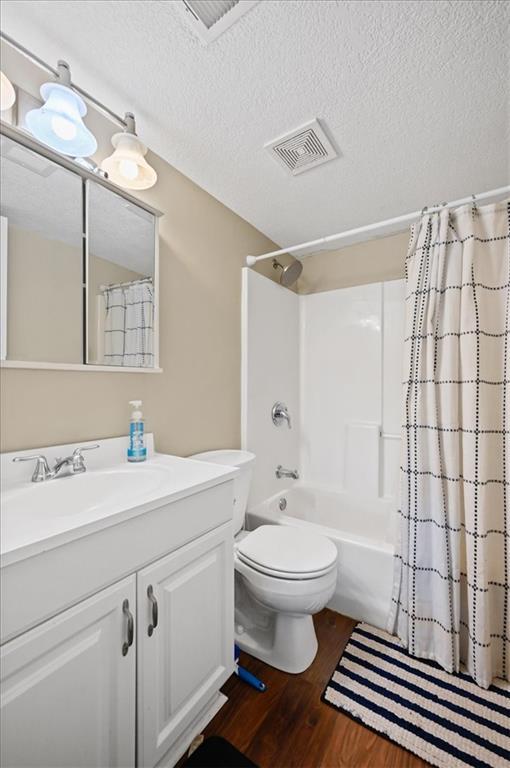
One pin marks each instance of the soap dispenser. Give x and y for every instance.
(137, 450)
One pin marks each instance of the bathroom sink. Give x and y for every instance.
(76, 494)
(35, 516)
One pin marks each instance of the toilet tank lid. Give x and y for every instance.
(228, 457)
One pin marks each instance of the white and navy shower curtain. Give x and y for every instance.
(451, 594)
(129, 324)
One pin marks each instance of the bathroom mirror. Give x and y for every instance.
(41, 258)
(120, 280)
(78, 265)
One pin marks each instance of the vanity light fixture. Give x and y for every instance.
(7, 93)
(127, 166)
(58, 123)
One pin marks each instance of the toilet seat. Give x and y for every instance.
(285, 552)
(308, 576)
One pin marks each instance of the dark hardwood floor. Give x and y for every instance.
(289, 727)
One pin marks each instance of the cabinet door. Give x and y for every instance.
(68, 692)
(185, 659)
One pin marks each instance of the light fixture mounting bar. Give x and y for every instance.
(57, 73)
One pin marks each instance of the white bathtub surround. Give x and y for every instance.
(341, 369)
(335, 359)
(346, 371)
(451, 600)
(363, 534)
(351, 351)
(270, 373)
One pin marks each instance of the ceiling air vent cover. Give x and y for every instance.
(303, 149)
(210, 18)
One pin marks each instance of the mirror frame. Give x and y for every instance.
(32, 144)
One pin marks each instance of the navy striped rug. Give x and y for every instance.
(445, 719)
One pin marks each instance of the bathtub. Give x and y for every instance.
(363, 531)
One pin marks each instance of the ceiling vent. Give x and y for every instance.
(302, 149)
(210, 18)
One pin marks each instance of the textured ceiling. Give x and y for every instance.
(414, 95)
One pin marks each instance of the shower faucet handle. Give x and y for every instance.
(279, 414)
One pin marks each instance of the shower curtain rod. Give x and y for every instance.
(108, 287)
(387, 227)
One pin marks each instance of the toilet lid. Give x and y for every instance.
(282, 550)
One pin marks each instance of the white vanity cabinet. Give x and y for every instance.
(86, 682)
(68, 691)
(72, 685)
(185, 644)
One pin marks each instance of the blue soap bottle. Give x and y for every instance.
(137, 450)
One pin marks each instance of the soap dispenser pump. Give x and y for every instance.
(137, 450)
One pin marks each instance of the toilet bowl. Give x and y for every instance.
(283, 575)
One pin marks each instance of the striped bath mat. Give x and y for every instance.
(444, 719)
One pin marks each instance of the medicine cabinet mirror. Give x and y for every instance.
(79, 265)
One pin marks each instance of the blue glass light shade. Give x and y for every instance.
(58, 123)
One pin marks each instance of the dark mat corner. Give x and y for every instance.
(216, 752)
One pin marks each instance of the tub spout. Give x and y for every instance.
(282, 472)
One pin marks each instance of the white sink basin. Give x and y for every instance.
(76, 494)
(36, 516)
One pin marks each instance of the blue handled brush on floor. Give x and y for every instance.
(243, 673)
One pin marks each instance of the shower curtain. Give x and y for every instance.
(129, 324)
(450, 599)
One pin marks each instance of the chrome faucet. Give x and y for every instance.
(282, 472)
(75, 464)
(279, 414)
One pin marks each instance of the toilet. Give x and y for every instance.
(283, 576)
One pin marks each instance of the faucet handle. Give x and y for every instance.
(41, 471)
(279, 414)
(78, 451)
(78, 463)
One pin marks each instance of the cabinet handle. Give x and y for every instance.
(130, 627)
(154, 602)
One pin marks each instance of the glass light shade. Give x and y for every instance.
(127, 166)
(7, 93)
(58, 123)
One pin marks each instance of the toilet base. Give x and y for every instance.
(288, 642)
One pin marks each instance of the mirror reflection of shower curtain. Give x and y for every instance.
(129, 324)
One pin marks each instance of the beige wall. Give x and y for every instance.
(369, 262)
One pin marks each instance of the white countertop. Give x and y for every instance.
(36, 517)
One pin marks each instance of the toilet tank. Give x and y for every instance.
(244, 460)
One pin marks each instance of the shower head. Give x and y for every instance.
(290, 273)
